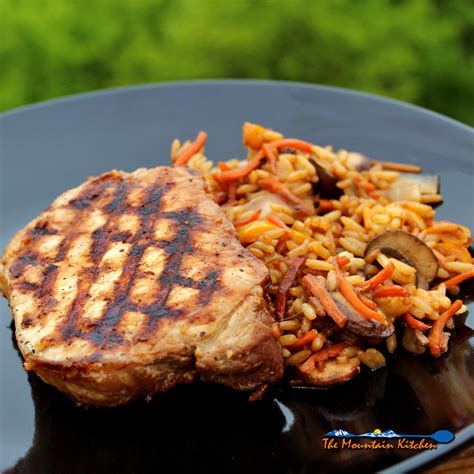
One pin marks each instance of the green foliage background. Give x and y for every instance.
(420, 51)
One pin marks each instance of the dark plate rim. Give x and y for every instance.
(232, 83)
(414, 461)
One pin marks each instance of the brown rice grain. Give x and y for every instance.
(331, 281)
(442, 273)
(296, 291)
(319, 265)
(372, 358)
(289, 325)
(349, 351)
(296, 176)
(285, 353)
(318, 342)
(354, 246)
(457, 267)
(287, 339)
(246, 188)
(298, 357)
(308, 311)
(355, 279)
(256, 252)
(391, 343)
(306, 325)
(317, 306)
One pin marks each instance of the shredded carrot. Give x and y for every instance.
(368, 302)
(233, 175)
(438, 326)
(286, 282)
(267, 149)
(275, 186)
(415, 323)
(223, 166)
(459, 278)
(389, 290)
(342, 261)
(325, 205)
(369, 187)
(303, 340)
(251, 218)
(387, 165)
(192, 150)
(323, 355)
(323, 296)
(293, 143)
(277, 221)
(378, 279)
(351, 296)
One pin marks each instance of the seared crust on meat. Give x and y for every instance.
(133, 283)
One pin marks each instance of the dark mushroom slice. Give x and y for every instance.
(409, 249)
(326, 185)
(332, 373)
(359, 324)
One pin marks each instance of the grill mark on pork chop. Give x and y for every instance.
(26, 286)
(69, 325)
(101, 239)
(41, 228)
(50, 273)
(92, 191)
(18, 267)
(102, 331)
(103, 328)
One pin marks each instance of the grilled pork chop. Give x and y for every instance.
(133, 283)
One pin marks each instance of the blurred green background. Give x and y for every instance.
(420, 51)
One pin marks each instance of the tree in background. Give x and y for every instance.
(420, 51)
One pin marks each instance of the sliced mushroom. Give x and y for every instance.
(409, 249)
(332, 372)
(326, 185)
(414, 341)
(358, 324)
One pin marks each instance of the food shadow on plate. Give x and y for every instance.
(209, 428)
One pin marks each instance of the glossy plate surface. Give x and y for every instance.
(49, 148)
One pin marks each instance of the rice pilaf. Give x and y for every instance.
(351, 246)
